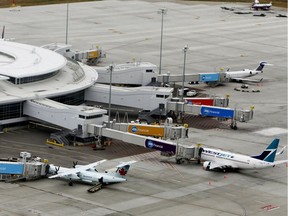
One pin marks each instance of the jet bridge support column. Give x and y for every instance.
(241, 116)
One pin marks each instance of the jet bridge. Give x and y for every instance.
(169, 148)
(212, 111)
(90, 57)
(73, 118)
(212, 79)
(166, 131)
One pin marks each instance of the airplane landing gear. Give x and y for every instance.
(233, 125)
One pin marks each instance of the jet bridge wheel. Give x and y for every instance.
(234, 125)
(180, 160)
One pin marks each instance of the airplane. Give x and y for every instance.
(256, 5)
(219, 160)
(240, 76)
(88, 173)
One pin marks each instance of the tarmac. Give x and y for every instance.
(128, 30)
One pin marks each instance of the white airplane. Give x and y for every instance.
(222, 160)
(258, 6)
(89, 174)
(240, 76)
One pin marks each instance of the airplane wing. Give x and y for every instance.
(280, 162)
(219, 165)
(78, 169)
(247, 80)
(281, 151)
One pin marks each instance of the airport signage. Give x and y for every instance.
(147, 130)
(160, 146)
(217, 112)
(209, 77)
(200, 101)
(11, 168)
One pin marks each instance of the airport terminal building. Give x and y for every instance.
(37, 83)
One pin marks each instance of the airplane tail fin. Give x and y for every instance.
(121, 169)
(270, 152)
(261, 66)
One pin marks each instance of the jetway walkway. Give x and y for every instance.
(166, 131)
(166, 147)
(176, 109)
(212, 79)
(73, 118)
(212, 111)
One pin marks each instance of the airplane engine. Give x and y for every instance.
(206, 165)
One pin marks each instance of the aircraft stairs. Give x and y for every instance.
(95, 188)
(60, 137)
(149, 116)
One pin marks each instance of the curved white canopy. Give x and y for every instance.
(22, 60)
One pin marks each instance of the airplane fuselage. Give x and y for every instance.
(242, 74)
(89, 176)
(262, 6)
(232, 160)
(94, 177)
(55, 170)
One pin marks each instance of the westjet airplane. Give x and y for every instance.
(222, 160)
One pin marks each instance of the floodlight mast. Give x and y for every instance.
(67, 18)
(162, 11)
(185, 49)
(111, 67)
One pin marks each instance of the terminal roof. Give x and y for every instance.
(22, 60)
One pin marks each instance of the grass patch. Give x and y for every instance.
(9, 3)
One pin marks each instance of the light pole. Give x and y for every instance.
(183, 80)
(67, 16)
(109, 109)
(162, 11)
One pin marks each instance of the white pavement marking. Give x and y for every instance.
(272, 131)
(172, 194)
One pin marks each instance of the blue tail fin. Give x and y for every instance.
(270, 152)
(261, 66)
